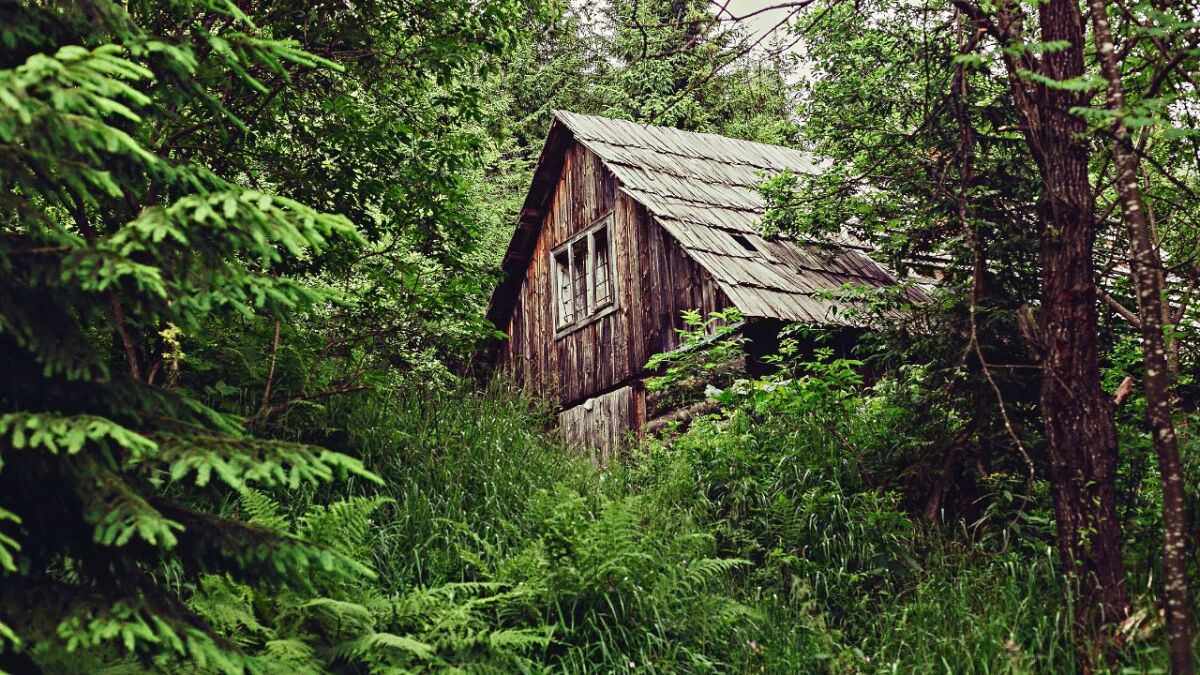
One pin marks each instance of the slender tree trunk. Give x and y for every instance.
(979, 425)
(1148, 277)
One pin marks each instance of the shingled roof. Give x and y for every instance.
(703, 190)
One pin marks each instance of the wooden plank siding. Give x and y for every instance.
(602, 424)
(655, 282)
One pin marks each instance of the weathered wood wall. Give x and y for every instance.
(655, 279)
(602, 424)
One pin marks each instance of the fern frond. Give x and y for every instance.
(698, 575)
(369, 645)
(228, 607)
(521, 639)
(291, 656)
(261, 510)
(343, 526)
(340, 617)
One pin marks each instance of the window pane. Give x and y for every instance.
(563, 274)
(579, 280)
(603, 287)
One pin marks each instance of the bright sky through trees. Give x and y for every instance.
(770, 17)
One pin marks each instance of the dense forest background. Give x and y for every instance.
(246, 248)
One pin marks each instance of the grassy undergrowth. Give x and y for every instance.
(752, 542)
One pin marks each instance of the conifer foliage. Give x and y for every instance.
(111, 253)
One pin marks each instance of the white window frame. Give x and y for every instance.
(594, 311)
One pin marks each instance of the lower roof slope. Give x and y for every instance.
(703, 189)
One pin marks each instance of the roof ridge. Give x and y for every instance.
(564, 115)
(672, 153)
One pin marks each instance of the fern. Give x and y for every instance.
(291, 656)
(434, 627)
(341, 619)
(228, 607)
(368, 648)
(608, 572)
(260, 509)
(345, 526)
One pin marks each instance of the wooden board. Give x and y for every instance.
(602, 425)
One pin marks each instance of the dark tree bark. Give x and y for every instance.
(1148, 280)
(1076, 413)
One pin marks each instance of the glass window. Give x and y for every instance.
(601, 285)
(562, 268)
(579, 275)
(583, 276)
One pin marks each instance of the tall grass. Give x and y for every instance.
(458, 462)
(481, 493)
(771, 538)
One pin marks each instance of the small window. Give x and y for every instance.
(601, 285)
(579, 277)
(584, 286)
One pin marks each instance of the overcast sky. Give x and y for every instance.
(760, 23)
(756, 26)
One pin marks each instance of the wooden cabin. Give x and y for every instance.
(624, 228)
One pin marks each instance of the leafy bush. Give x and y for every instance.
(712, 353)
(782, 476)
(803, 473)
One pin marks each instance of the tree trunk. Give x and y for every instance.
(1077, 415)
(1080, 435)
(1148, 280)
(1081, 438)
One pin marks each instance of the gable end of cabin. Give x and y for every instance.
(603, 290)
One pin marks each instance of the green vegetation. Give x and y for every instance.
(245, 249)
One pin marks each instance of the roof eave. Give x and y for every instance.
(529, 223)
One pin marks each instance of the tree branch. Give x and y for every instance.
(1125, 313)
